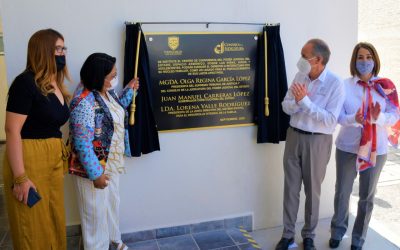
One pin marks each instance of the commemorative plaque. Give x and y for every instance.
(202, 80)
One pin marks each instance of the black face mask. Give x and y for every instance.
(60, 62)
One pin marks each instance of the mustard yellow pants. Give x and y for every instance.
(42, 226)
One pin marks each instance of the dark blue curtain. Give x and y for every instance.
(143, 135)
(271, 128)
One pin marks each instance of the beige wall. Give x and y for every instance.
(381, 29)
(3, 92)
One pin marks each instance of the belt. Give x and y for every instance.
(304, 132)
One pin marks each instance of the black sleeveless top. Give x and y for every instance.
(45, 114)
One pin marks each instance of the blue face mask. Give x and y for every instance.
(365, 67)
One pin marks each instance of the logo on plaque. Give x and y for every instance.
(220, 48)
(173, 42)
(228, 47)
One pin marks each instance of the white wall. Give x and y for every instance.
(198, 175)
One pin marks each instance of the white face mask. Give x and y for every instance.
(304, 66)
(114, 83)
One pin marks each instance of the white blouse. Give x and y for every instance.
(115, 161)
(349, 136)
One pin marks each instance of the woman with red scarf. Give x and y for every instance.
(369, 121)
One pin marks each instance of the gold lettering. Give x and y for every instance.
(245, 93)
(208, 106)
(168, 98)
(188, 97)
(233, 104)
(168, 82)
(185, 81)
(225, 79)
(205, 80)
(242, 78)
(187, 107)
(167, 108)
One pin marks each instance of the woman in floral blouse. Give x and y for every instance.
(99, 136)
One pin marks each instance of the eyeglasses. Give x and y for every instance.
(60, 49)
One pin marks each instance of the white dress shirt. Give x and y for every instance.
(319, 110)
(350, 131)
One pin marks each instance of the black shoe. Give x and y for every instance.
(308, 244)
(334, 243)
(355, 248)
(284, 244)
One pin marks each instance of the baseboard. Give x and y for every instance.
(244, 222)
(74, 230)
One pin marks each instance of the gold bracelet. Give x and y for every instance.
(21, 179)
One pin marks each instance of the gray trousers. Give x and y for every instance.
(304, 161)
(345, 174)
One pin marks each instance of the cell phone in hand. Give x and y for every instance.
(33, 197)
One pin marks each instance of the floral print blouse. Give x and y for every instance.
(92, 129)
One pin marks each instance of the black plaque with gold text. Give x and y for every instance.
(202, 80)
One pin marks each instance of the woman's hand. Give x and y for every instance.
(21, 190)
(134, 83)
(359, 117)
(375, 110)
(101, 182)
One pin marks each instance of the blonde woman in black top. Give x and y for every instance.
(36, 109)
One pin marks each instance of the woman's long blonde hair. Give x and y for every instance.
(41, 61)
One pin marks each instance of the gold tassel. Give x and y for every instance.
(266, 102)
(133, 104)
(266, 99)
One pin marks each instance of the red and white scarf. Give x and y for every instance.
(366, 157)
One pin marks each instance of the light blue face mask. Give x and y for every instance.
(365, 67)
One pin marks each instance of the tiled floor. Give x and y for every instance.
(231, 239)
(268, 238)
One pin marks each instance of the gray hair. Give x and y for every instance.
(320, 48)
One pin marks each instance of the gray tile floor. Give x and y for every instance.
(231, 239)
(268, 238)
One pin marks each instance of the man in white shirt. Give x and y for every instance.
(313, 102)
